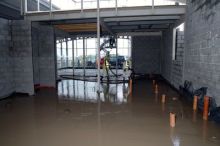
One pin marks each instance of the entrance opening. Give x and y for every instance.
(77, 59)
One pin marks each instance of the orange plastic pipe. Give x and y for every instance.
(156, 88)
(130, 83)
(172, 120)
(163, 98)
(154, 82)
(195, 102)
(206, 108)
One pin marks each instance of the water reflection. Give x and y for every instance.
(174, 137)
(86, 91)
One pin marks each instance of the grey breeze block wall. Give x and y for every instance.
(6, 61)
(172, 70)
(22, 57)
(35, 50)
(177, 64)
(202, 53)
(44, 55)
(146, 54)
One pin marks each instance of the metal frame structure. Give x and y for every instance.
(98, 47)
(82, 5)
(107, 13)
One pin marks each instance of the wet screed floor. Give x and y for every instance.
(74, 115)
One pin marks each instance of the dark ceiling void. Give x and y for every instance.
(9, 11)
(131, 26)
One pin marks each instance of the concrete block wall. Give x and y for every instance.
(166, 55)
(6, 61)
(22, 57)
(35, 49)
(202, 53)
(146, 54)
(44, 55)
(177, 64)
(47, 56)
(172, 69)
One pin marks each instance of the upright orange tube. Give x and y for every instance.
(195, 102)
(156, 88)
(163, 98)
(172, 120)
(154, 82)
(206, 108)
(130, 86)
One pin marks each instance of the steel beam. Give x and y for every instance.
(159, 33)
(143, 18)
(92, 13)
(160, 26)
(107, 28)
(124, 27)
(147, 22)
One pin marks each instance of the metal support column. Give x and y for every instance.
(81, 6)
(84, 56)
(21, 8)
(38, 5)
(73, 54)
(152, 6)
(86, 52)
(50, 8)
(116, 7)
(116, 45)
(67, 54)
(25, 7)
(98, 44)
(61, 50)
(77, 54)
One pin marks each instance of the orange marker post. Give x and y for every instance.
(206, 108)
(130, 84)
(154, 82)
(156, 88)
(163, 100)
(195, 102)
(172, 120)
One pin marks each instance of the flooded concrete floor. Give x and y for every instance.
(74, 115)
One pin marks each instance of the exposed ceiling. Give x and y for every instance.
(132, 19)
(10, 9)
(83, 27)
(119, 25)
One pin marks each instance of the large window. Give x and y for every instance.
(85, 50)
(124, 46)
